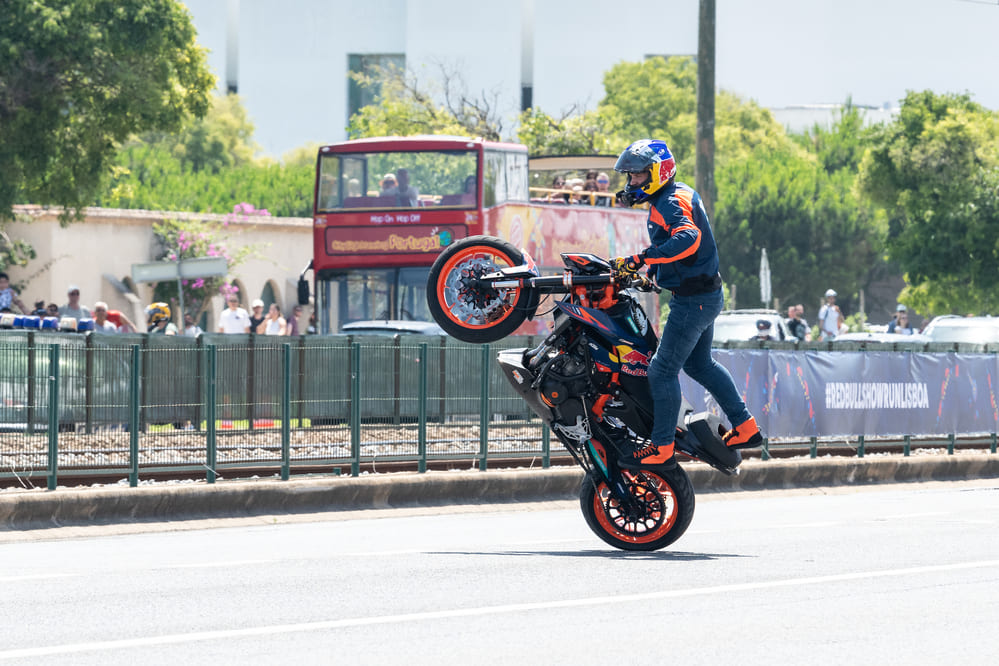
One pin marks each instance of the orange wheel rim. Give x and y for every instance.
(479, 259)
(650, 489)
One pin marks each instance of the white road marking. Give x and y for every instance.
(223, 634)
(40, 576)
(198, 565)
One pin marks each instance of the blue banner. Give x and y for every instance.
(822, 394)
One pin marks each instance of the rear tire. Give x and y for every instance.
(466, 310)
(667, 507)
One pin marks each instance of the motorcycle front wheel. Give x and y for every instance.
(467, 308)
(664, 507)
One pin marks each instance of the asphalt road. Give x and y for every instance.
(888, 574)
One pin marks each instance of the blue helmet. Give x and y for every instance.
(647, 155)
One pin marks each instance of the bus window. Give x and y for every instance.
(413, 294)
(438, 177)
(505, 177)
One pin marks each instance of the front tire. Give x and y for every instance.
(467, 309)
(666, 507)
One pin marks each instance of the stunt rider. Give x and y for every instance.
(683, 258)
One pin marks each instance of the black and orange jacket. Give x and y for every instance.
(682, 251)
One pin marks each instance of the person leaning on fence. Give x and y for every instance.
(234, 319)
(101, 322)
(273, 323)
(158, 320)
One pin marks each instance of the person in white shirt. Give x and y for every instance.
(830, 317)
(234, 319)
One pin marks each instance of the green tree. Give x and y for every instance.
(935, 171)
(79, 77)
(208, 166)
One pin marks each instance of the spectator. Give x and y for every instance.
(51, 310)
(273, 323)
(191, 329)
(763, 330)
(158, 320)
(73, 307)
(797, 326)
(40, 310)
(407, 195)
(101, 322)
(257, 315)
(8, 296)
(312, 329)
(293, 320)
(900, 322)
(558, 183)
(800, 313)
(589, 187)
(353, 187)
(234, 319)
(603, 183)
(830, 317)
(124, 324)
(388, 184)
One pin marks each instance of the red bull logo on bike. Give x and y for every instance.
(633, 362)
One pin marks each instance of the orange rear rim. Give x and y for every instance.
(475, 259)
(654, 492)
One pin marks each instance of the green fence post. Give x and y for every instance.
(355, 409)
(211, 443)
(396, 380)
(906, 445)
(251, 379)
(992, 448)
(765, 449)
(133, 416)
(31, 382)
(199, 379)
(286, 413)
(860, 446)
(546, 446)
(421, 436)
(484, 410)
(950, 444)
(88, 386)
(53, 461)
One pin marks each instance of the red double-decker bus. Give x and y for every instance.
(375, 242)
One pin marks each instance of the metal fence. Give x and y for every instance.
(130, 404)
(104, 405)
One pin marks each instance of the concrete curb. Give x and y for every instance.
(32, 509)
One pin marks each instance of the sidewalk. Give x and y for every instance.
(32, 509)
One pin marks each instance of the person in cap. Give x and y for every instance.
(763, 330)
(900, 322)
(830, 317)
(683, 258)
(72, 307)
(257, 315)
(388, 184)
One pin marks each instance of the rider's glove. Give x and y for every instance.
(642, 283)
(628, 264)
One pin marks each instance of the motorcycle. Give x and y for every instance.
(587, 379)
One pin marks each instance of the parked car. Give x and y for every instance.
(391, 327)
(736, 325)
(954, 328)
(880, 336)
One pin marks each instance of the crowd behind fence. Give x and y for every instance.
(141, 404)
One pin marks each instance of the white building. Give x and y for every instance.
(289, 60)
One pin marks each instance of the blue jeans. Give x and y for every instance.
(686, 344)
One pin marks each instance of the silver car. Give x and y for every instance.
(953, 328)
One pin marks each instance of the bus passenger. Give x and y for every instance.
(409, 196)
(558, 183)
(388, 184)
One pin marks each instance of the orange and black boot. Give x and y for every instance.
(650, 457)
(746, 435)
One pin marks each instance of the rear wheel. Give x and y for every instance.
(664, 507)
(463, 306)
